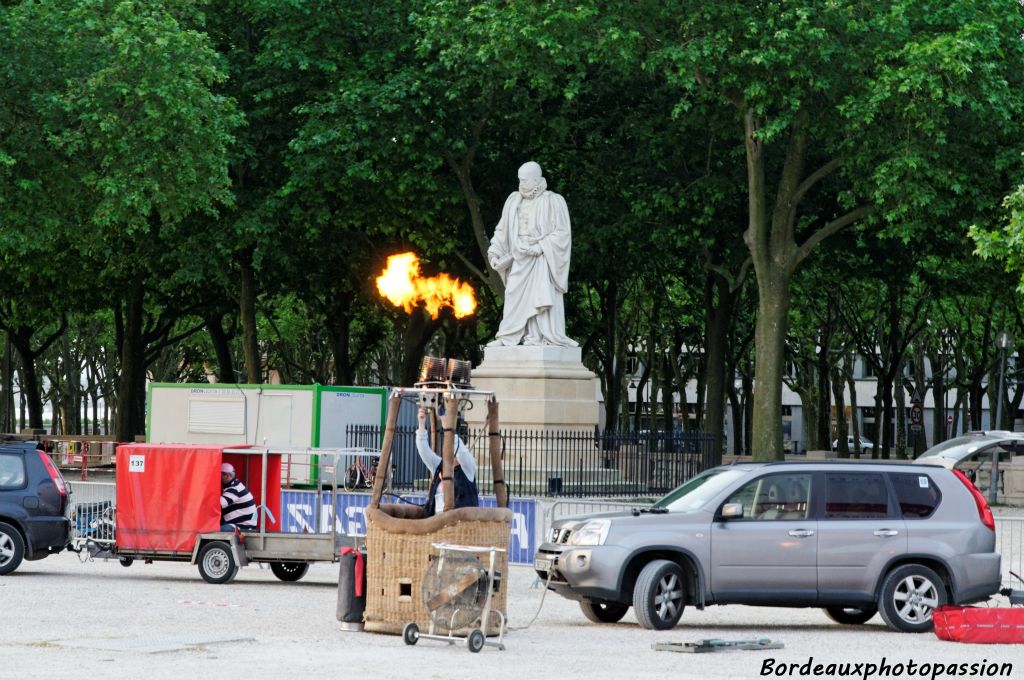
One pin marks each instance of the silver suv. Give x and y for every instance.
(854, 538)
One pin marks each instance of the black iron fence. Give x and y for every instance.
(561, 463)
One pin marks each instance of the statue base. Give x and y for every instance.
(538, 388)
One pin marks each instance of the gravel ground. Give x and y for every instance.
(63, 618)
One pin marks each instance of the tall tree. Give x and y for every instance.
(149, 138)
(869, 106)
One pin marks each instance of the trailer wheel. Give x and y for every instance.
(289, 571)
(126, 561)
(216, 564)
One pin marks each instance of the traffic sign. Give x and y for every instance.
(949, 420)
(916, 416)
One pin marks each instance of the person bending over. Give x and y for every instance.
(237, 506)
(463, 474)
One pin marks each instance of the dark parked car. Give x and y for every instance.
(33, 502)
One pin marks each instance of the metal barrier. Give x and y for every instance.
(580, 463)
(567, 508)
(91, 510)
(1010, 544)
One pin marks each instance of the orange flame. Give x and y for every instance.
(403, 286)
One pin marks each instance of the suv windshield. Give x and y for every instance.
(699, 490)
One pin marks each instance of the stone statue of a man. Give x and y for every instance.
(530, 251)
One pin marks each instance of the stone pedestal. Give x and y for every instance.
(538, 388)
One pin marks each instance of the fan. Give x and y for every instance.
(455, 590)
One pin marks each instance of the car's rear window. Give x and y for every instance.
(12, 471)
(916, 493)
(855, 495)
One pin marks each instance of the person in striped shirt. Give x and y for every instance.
(237, 506)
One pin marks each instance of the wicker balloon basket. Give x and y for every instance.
(400, 539)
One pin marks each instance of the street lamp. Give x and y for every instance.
(1003, 342)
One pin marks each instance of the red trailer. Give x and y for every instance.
(168, 508)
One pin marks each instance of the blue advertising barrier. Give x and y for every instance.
(299, 515)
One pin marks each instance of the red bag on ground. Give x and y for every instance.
(980, 625)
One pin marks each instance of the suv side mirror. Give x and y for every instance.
(732, 510)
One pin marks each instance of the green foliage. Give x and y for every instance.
(165, 142)
(1005, 243)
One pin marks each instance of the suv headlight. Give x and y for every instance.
(593, 532)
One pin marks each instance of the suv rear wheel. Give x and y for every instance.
(851, 616)
(12, 548)
(659, 595)
(599, 611)
(909, 595)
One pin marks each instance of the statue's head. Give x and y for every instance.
(531, 180)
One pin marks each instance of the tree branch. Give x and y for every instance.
(155, 348)
(473, 269)
(53, 337)
(805, 186)
(829, 229)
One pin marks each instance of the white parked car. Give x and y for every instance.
(866, 445)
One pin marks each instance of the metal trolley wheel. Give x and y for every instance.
(475, 641)
(411, 633)
(216, 564)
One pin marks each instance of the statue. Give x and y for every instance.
(530, 251)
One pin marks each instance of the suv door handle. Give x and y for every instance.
(801, 533)
(885, 533)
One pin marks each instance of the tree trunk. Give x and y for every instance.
(247, 311)
(33, 396)
(639, 398)
(736, 421)
(339, 322)
(840, 408)
(222, 348)
(939, 393)
(131, 384)
(30, 389)
(418, 333)
(769, 334)
(7, 422)
(748, 414)
(824, 429)
(901, 422)
(885, 386)
(462, 168)
(613, 370)
(667, 401)
(72, 389)
(920, 392)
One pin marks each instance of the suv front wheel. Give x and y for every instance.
(909, 595)
(659, 595)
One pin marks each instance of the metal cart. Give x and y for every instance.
(447, 604)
